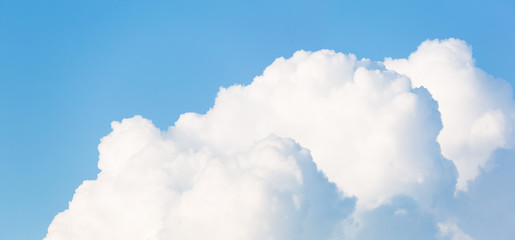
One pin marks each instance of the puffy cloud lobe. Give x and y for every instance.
(368, 130)
(149, 188)
(477, 109)
(373, 130)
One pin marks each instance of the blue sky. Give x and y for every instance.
(67, 69)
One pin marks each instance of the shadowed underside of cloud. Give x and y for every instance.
(321, 146)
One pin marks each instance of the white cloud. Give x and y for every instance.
(237, 171)
(149, 188)
(477, 109)
(449, 230)
(368, 130)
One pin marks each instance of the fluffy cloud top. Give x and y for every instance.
(477, 109)
(149, 188)
(321, 146)
(369, 131)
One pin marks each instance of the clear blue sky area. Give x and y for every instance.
(69, 68)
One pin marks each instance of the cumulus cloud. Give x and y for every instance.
(477, 109)
(149, 188)
(320, 146)
(368, 130)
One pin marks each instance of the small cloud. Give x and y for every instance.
(400, 212)
(451, 231)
